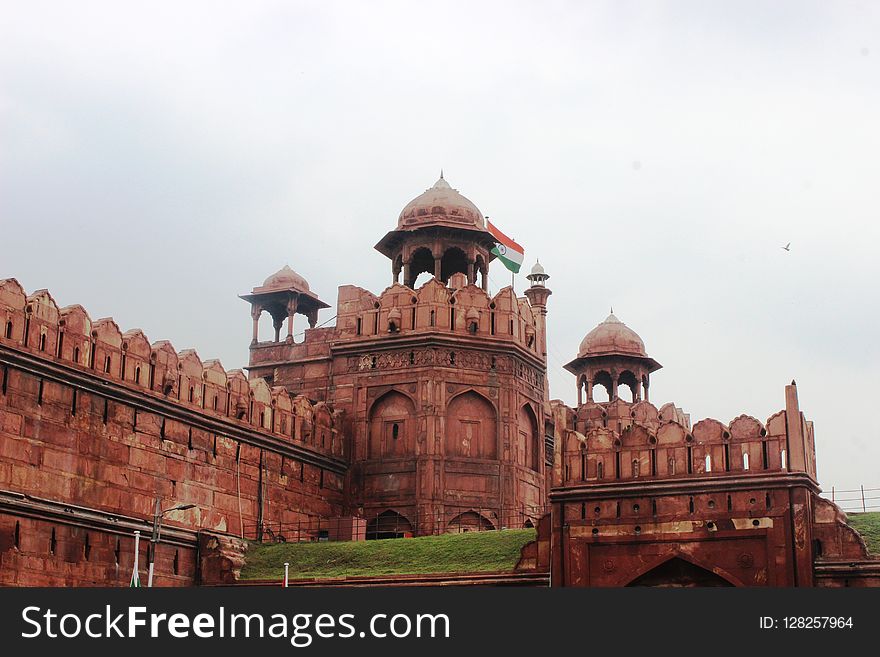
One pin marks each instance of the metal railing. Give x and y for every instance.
(390, 524)
(855, 500)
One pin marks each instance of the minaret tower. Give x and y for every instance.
(537, 295)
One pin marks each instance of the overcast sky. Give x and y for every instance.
(158, 159)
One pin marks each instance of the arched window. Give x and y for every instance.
(602, 383)
(528, 449)
(627, 385)
(421, 267)
(454, 261)
(745, 459)
(9, 330)
(708, 463)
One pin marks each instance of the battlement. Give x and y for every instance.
(459, 309)
(615, 441)
(35, 324)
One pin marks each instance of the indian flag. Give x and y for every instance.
(509, 252)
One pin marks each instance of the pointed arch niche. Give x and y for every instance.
(471, 427)
(392, 426)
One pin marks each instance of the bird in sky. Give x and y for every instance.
(787, 247)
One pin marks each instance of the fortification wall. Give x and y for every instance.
(96, 423)
(618, 441)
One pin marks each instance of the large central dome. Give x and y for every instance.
(440, 204)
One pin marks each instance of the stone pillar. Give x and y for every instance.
(589, 387)
(472, 272)
(406, 280)
(613, 386)
(438, 268)
(795, 447)
(256, 311)
(277, 323)
(291, 311)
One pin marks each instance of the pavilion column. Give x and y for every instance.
(291, 311)
(438, 268)
(406, 280)
(277, 323)
(472, 272)
(589, 387)
(485, 276)
(256, 311)
(613, 387)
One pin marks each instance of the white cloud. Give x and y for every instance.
(156, 161)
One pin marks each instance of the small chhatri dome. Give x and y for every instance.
(538, 269)
(440, 203)
(612, 337)
(284, 279)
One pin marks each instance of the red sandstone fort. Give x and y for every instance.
(423, 410)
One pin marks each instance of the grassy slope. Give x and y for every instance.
(868, 525)
(469, 552)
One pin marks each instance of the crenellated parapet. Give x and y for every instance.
(466, 310)
(618, 441)
(36, 325)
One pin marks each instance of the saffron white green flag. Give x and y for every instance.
(508, 252)
(135, 578)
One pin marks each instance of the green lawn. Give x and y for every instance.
(868, 525)
(469, 552)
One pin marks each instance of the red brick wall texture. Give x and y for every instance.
(95, 423)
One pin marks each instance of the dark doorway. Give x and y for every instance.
(389, 524)
(678, 573)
